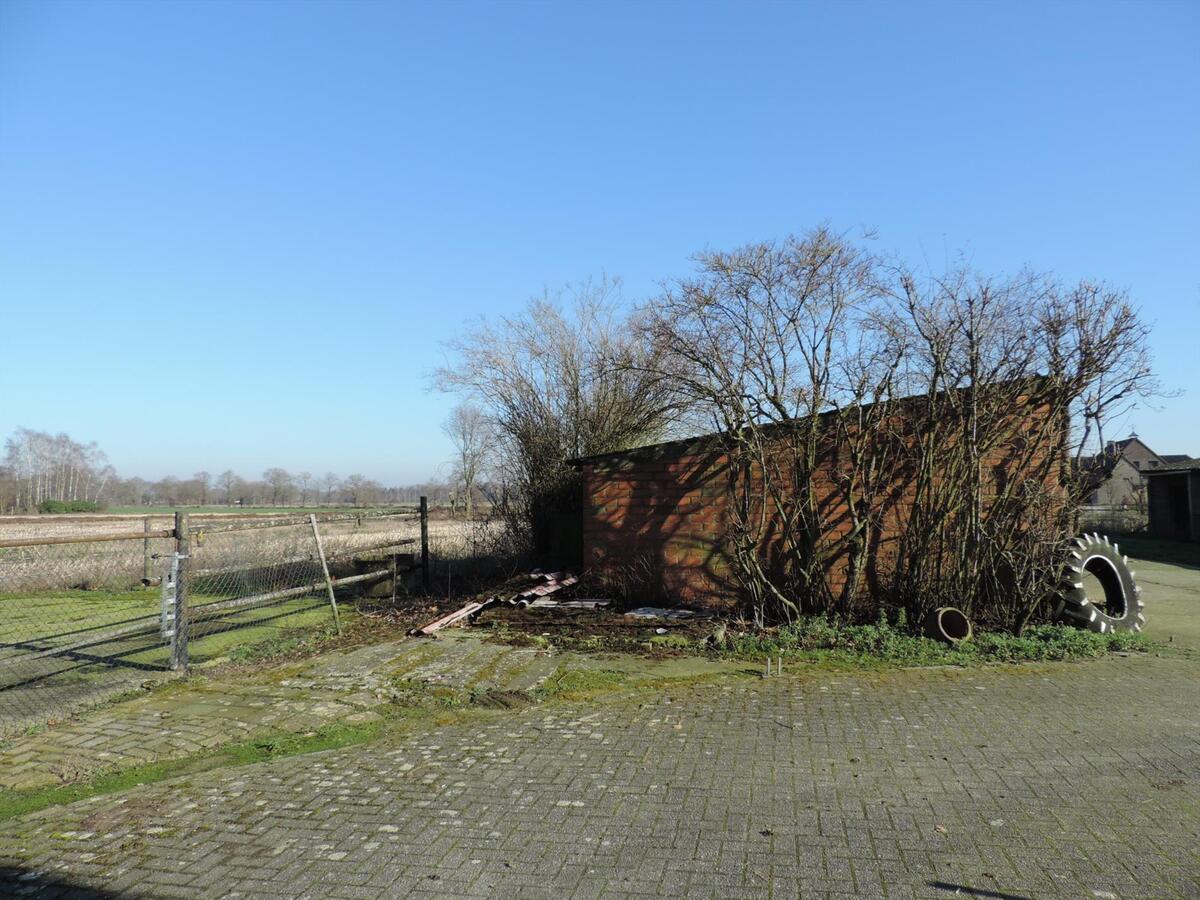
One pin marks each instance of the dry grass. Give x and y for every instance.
(218, 543)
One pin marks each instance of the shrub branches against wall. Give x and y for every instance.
(567, 377)
(760, 342)
(946, 410)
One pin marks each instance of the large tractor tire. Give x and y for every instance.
(1120, 607)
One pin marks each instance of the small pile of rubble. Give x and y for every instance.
(538, 596)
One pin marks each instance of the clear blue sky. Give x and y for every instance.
(236, 234)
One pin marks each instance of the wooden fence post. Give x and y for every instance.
(337, 622)
(425, 543)
(179, 638)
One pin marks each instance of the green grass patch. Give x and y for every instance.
(25, 616)
(283, 645)
(68, 617)
(303, 625)
(1179, 553)
(579, 684)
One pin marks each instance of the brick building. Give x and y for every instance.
(658, 516)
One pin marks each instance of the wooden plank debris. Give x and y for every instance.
(457, 616)
(549, 583)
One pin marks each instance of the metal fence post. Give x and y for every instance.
(425, 542)
(146, 551)
(179, 639)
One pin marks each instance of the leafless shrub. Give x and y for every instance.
(565, 378)
(761, 342)
(947, 410)
(997, 491)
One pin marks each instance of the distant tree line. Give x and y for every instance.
(41, 469)
(54, 473)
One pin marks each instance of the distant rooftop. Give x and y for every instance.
(1185, 465)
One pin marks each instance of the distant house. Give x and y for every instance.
(1118, 475)
(1174, 498)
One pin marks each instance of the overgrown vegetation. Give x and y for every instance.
(893, 440)
(817, 636)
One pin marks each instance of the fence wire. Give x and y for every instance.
(87, 611)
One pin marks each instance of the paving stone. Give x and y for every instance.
(875, 785)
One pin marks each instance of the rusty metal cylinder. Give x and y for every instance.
(948, 624)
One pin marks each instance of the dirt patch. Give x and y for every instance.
(594, 631)
(374, 623)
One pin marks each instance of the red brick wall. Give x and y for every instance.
(663, 519)
(657, 518)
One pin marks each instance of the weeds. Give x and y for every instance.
(578, 684)
(303, 641)
(885, 643)
(824, 639)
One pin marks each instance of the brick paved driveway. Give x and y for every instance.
(1076, 781)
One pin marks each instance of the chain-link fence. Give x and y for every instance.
(91, 610)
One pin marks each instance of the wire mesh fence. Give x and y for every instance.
(86, 613)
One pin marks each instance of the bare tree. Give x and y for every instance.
(997, 494)
(280, 483)
(818, 364)
(471, 433)
(204, 483)
(757, 343)
(227, 481)
(565, 378)
(305, 482)
(353, 488)
(329, 484)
